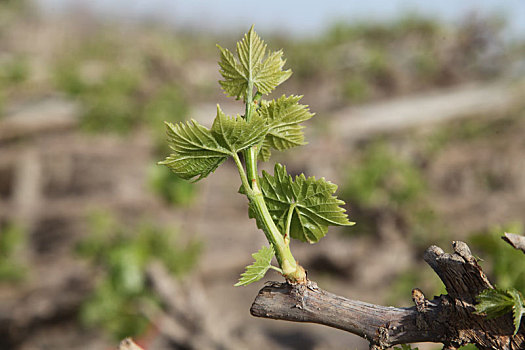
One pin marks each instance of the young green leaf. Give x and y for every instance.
(269, 74)
(257, 270)
(251, 50)
(518, 309)
(235, 81)
(497, 302)
(253, 69)
(283, 116)
(236, 134)
(314, 205)
(494, 303)
(196, 153)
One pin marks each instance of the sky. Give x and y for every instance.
(297, 18)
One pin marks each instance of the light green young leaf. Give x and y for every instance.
(314, 205)
(497, 302)
(236, 134)
(269, 74)
(258, 269)
(235, 81)
(196, 153)
(494, 303)
(283, 116)
(251, 68)
(518, 309)
(266, 151)
(251, 50)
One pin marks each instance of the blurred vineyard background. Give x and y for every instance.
(419, 121)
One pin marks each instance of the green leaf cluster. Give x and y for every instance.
(257, 270)
(382, 178)
(122, 87)
(253, 67)
(12, 244)
(171, 189)
(121, 255)
(498, 302)
(198, 151)
(284, 117)
(304, 207)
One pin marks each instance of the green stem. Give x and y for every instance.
(282, 250)
(251, 165)
(288, 223)
(290, 269)
(248, 101)
(242, 174)
(250, 155)
(276, 269)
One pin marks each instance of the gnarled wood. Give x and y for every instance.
(515, 240)
(447, 319)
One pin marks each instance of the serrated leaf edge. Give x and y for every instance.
(498, 302)
(257, 270)
(251, 66)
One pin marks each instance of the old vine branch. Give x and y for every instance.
(515, 240)
(447, 319)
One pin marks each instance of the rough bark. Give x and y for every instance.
(447, 319)
(514, 240)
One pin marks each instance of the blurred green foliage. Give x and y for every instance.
(167, 104)
(383, 178)
(377, 66)
(14, 71)
(426, 65)
(111, 104)
(382, 185)
(123, 254)
(385, 187)
(172, 189)
(12, 243)
(2, 102)
(505, 265)
(122, 88)
(473, 128)
(384, 32)
(356, 89)
(109, 96)
(364, 61)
